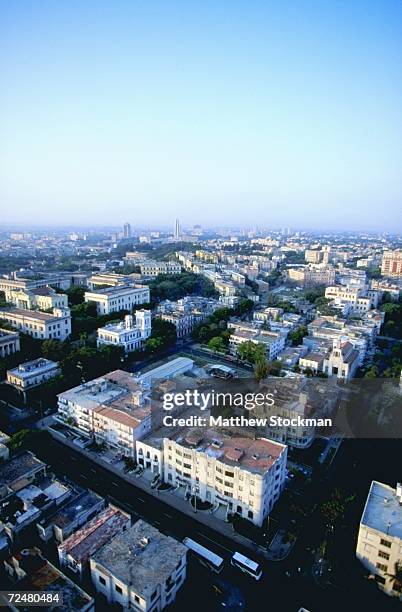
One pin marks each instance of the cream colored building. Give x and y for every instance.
(39, 324)
(392, 263)
(154, 268)
(243, 474)
(121, 297)
(379, 544)
(41, 298)
(129, 335)
(32, 373)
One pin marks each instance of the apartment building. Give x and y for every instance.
(154, 268)
(311, 275)
(74, 553)
(80, 508)
(30, 571)
(39, 324)
(19, 471)
(9, 343)
(243, 474)
(391, 264)
(379, 544)
(274, 342)
(113, 409)
(120, 297)
(313, 256)
(140, 569)
(41, 298)
(356, 297)
(129, 335)
(32, 373)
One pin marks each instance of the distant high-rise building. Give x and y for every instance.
(177, 229)
(126, 230)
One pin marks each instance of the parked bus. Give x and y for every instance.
(246, 565)
(206, 556)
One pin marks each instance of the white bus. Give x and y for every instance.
(246, 565)
(206, 556)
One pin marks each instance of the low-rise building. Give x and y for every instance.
(39, 324)
(120, 297)
(16, 473)
(140, 569)
(379, 544)
(32, 572)
(79, 509)
(355, 296)
(273, 342)
(75, 552)
(343, 360)
(41, 298)
(154, 268)
(166, 371)
(9, 343)
(129, 335)
(32, 373)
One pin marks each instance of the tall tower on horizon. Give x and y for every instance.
(177, 229)
(126, 230)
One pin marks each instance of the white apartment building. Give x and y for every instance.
(357, 297)
(41, 298)
(274, 342)
(392, 263)
(9, 342)
(243, 474)
(112, 409)
(154, 268)
(313, 256)
(379, 544)
(32, 373)
(39, 324)
(121, 297)
(183, 322)
(111, 279)
(140, 569)
(128, 334)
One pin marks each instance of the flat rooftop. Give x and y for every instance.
(43, 576)
(91, 537)
(29, 314)
(30, 368)
(167, 369)
(383, 510)
(141, 557)
(74, 508)
(117, 290)
(19, 466)
(6, 333)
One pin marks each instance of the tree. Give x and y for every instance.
(217, 344)
(251, 352)
(297, 336)
(261, 369)
(76, 294)
(55, 349)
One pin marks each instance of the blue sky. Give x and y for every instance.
(250, 113)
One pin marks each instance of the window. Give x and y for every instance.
(101, 580)
(383, 555)
(118, 589)
(154, 594)
(386, 543)
(382, 567)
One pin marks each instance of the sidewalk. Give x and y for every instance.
(168, 497)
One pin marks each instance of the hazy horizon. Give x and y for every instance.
(223, 114)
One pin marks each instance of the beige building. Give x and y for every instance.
(41, 298)
(379, 544)
(313, 256)
(120, 297)
(243, 474)
(392, 263)
(154, 268)
(140, 569)
(39, 324)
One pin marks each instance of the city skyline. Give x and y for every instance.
(256, 114)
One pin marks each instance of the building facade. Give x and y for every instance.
(129, 335)
(39, 324)
(121, 297)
